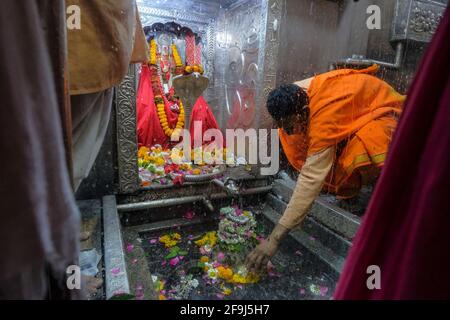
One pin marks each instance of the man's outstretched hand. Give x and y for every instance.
(257, 259)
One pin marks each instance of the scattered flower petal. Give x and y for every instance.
(302, 291)
(153, 241)
(323, 291)
(298, 253)
(178, 180)
(189, 215)
(173, 262)
(220, 256)
(130, 247)
(115, 271)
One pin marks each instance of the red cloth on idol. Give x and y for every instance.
(202, 112)
(149, 129)
(405, 230)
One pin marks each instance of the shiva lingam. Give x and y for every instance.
(189, 88)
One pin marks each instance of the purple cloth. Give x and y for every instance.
(406, 229)
(39, 227)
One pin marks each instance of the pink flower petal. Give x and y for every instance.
(153, 241)
(189, 215)
(323, 291)
(134, 261)
(130, 247)
(302, 291)
(173, 262)
(220, 296)
(115, 271)
(220, 256)
(163, 263)
(298, 253)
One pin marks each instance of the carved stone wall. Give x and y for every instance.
(270, 35)
(126, 133)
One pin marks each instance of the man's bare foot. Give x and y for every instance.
(85, 235)
(91, 284)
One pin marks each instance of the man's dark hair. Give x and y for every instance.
(286, 100)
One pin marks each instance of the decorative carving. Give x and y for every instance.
(126, 133)
(269, 56)
(425, 21)
(416, 20)
(171, 14)
(211, 41)
(201, 24)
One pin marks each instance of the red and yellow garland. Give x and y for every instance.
(160, 106)
(157, 88)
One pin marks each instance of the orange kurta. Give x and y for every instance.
(349, 105)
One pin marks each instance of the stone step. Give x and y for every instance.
(316, 251)
(338, 220)
(169, 224)
(115, 267)
(326, 236)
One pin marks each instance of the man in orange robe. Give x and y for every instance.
(335, 129)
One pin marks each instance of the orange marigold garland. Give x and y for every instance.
(153, 52)
(176, 56)
(160, 106)
(160, 100)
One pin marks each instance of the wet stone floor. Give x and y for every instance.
(293, 277)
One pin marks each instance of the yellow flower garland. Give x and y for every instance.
(176, 56)
(163, 117)
(153, 52)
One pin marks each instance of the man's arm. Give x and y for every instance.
(309, 184)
